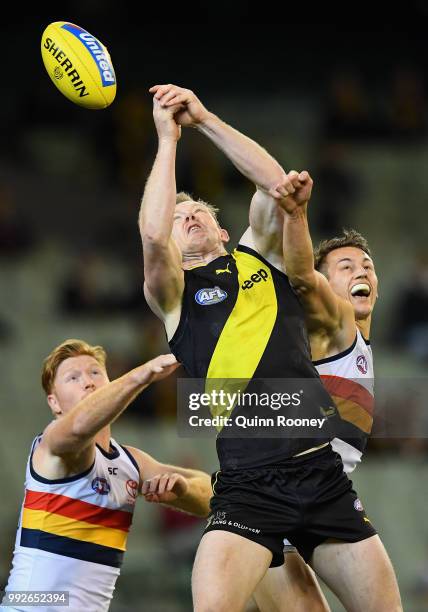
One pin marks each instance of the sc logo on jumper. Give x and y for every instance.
(210, 296)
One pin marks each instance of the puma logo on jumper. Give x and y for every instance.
(225, 270)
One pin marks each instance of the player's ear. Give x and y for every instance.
(54, 405)
(224, 235)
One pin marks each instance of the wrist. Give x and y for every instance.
(208, 121)
(298, 214)
(137, 378)
(165, 141)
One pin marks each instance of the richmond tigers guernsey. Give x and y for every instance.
(72, 532)
(240, 319)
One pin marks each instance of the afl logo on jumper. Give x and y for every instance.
(100, 486)
(207, 297)
(362, 364)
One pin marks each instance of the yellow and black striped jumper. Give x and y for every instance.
(241, 319)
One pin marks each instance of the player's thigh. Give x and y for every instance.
(359, 573)
(226, 571)
(292, 587)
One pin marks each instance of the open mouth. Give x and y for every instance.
(361, 290)
(193, 228)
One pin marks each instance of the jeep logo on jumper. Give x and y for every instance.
(261, 275)
(213, 295)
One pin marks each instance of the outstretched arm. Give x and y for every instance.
(71, 434)
(182, 488)
(325, 310)
(164, 280)
(252, 160)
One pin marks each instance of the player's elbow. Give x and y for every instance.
(302, 282)
(64, 445)
(152, 232)
(153, 238)
(204, 512)
(202, 508)
(79, 429)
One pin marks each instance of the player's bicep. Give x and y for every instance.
(147, 465)
(163, 276)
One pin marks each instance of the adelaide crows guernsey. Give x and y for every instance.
(240, 319)
(72, 532)
(349, 378)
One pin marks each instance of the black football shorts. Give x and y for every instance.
(306, 499)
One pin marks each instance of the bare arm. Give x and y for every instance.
(181, 488)
(256, 164)
(70, 435)
(164, 280)
(325, 310)
(252, 160)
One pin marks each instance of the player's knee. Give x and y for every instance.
(385, 599)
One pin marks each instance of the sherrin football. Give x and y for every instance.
(79, 65)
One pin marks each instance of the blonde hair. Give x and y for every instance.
(183, 196)
(68, 348)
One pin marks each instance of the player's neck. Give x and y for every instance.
(192, 260)
(364, 326)
(103, 438)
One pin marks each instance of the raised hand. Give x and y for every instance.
(293, 191)
(155, 369)
(166, 125)
(188, 109)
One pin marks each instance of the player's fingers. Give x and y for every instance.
(285, 189)
(162, 90)
(154, 487)
(172, 481)
(304, 176)
(169, 95)
(293, 177)
(165, 360)
(163, 483)
(151, 497)
(150, 485)
(179, 98)
(158, 364)
(275, 193)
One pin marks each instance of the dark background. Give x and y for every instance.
(346, 100)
